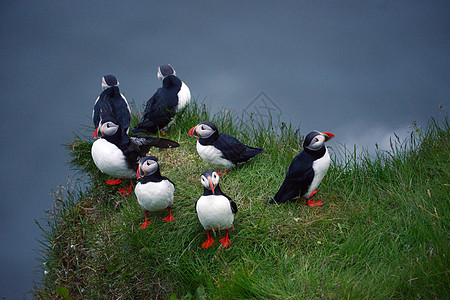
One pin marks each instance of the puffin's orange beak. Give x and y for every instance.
(328, 136)
(192, 132)
(211, 184)
(95, 135)
(139, 174)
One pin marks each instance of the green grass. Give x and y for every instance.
(383, 231)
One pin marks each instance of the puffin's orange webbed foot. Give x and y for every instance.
(313, 203)
(225, 173)
(169, 218)
(313, 193)
(145, 224)
(225, 241)
(114, 181)
(209, 242)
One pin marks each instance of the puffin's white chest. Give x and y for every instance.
(184, 96)
(320, 167)
(214, 212)
(212, 155)
(110, 159)
(155, 196)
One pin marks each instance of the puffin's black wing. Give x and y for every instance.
(138, 146)
(233, 205)
(123, 114)
(161, 107)
(234, 150)
(195, 207)
(102, 109)
(164, 177)
(298, 178)
(96, 113)
(144, 143)
(117, 107)
(218, 191)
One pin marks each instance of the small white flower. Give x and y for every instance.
(319, 242)
(45, 272)
(296, 219)
(72, 246)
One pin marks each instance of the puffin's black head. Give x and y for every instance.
(315, 140)
(210, 180)
(165, 70)
(109, 81)
(107, 126)
(203, 130)
(147, 165)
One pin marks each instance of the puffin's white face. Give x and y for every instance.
(109, 128)
(169, 69)
(316, 139)
(211, 181)
(104, 84)
(204, 131)
(149, 166)
(316, 142)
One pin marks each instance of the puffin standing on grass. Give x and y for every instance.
(117, 102)
(162, 107)
(154, 192)
(116, 154)
(306, 170)
(220, 148)
(215, 210)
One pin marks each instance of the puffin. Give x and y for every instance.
(215, 210)
(116, 154)
(154, 192)
(117, 102)
(307, 170)
(221, 149)
(184, 95)
(163, 106)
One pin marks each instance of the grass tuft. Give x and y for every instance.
(383, 231)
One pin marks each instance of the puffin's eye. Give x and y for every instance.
(203, 128)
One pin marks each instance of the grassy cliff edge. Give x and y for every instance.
(383, 231)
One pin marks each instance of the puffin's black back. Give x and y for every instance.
(234, 150)
(298, 178)
(231, 148)
(161, 107)
(299, 175)
(118, 107)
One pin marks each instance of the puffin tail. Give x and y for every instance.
(165, 143)
(145, 126)
(284, 193)
(251, 152)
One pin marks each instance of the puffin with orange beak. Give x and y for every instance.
(221, 149)
(116, 154)
(154, 192)
(215, 210)
(307, 170)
